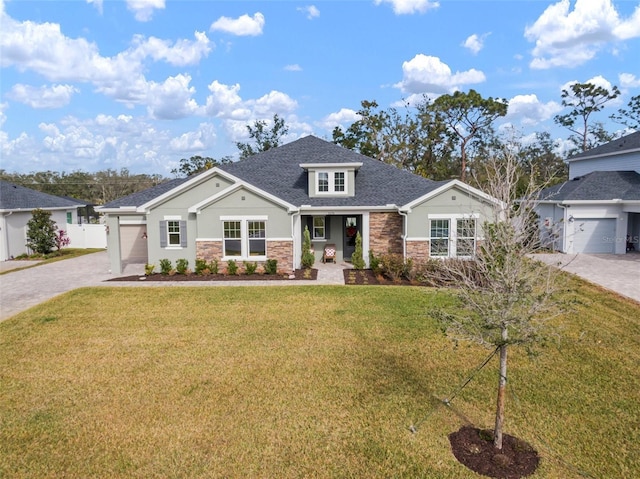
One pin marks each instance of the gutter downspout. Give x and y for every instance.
(293, 237)
(565, 227)
(3, 226)
(404, 232)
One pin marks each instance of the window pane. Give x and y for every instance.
(323, 181)
(439, 244)
(318, 226)
(257, 247)
(256, 229)
(232, 229)
(439, 247)
(232, 247)
(467, 228)
(173, 231)
(338, 178)
(465, 247)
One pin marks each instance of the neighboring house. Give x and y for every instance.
(257, 209)
(598, 209)
(16, 205)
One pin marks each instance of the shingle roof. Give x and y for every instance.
(621, 145)
(15, 197)
(597, 186)
(278, 172)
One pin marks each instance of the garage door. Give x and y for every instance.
(133, 246)
(594, 235)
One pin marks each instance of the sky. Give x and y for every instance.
(89, 85)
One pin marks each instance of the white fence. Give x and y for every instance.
(86, 236)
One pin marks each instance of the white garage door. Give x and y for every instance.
(594, 235)
(133, 246)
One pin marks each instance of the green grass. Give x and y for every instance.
(65, 253)
(293, 382)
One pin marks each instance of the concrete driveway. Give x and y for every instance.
(617, 272)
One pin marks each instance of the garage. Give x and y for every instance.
(594, 235)
(133, 244)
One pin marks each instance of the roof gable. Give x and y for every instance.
(15, 197)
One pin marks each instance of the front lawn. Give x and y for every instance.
(293, 382)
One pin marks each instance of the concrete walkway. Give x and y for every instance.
(20, 290)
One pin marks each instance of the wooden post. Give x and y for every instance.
(502, 386)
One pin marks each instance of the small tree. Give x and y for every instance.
(357, 259)
(41, 232)
(308, 257)
(506, 296)
(62, 239)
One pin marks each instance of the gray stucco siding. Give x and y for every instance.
(445, 204)
(194, 195)
(244, 203)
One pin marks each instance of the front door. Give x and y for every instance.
(351, 225)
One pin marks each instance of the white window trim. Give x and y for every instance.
(244, 237)
(324, 228)
(453, 232)
(332, 186)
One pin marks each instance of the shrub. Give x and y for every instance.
(165, 266)
(271, 266)
(182, 266)
(62, 239)
(374, 263)
(250, 268)
(232, 267)
(356, 258)
(41, 232)
(213, 266)
(148, 269)
(394, 266)
(308, 258)
(201, 265)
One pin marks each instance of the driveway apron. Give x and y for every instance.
(20, 290)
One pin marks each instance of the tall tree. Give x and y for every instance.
(630, 116)
(506, 297)
(541, 163)
(469, 117)
(197, 164)
(264, 138)
(365, 135)
(583, 101)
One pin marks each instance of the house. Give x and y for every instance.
(257, 209)
(598, 209)
(17, 203)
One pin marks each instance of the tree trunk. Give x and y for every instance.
(502, 385)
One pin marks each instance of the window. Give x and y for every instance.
(257, 238)
(173, 232)
(466, 237)
(245, 238)
(331, 182)
(318, 227)
(439, 238)
(323, 182)
(338, 181)
(232, 238)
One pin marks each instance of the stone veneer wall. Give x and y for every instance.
(282, 251)
(418, 251)
(385, 233)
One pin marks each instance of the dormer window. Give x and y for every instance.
(331, 179)
(331, 182)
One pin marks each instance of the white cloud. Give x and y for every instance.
(311, 11)
(271, 103)
(143, 9)
(475, 42)
(428, 74)
(629, 80)
(404, 7)
(565, 38)
(171, 99)
(97, 3)
(342, 118)
(293, 68)
(181, 53)
(241, 26)
(529, 111)
(225, 102)
(54, 96)
(193, 141)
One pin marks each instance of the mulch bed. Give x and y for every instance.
(368, 277)
(298, 274)
(473, 447)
